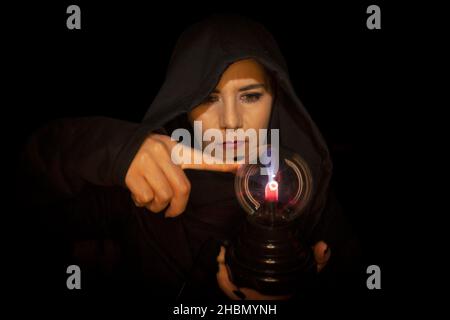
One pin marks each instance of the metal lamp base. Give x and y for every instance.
(270, 259)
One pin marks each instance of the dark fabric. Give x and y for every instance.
(75, 170)
(201, 55)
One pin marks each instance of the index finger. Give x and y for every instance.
(190, 158)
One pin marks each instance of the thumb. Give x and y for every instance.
(321, 254)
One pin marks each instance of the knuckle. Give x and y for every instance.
(165, 196)
(140, 160)
(155, 206)
(145, 198)
(140, 200)
(149, 141)
(129, 180)
(184, 189)
(157, 147)
(136, 201)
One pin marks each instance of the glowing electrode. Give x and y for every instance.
(271, 192)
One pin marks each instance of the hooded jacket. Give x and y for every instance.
(79, 166)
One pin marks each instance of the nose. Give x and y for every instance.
(230, 117)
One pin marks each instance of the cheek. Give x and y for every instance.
(258, 115)
(209, 118)
(207, 115)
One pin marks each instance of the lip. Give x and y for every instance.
(233, 144)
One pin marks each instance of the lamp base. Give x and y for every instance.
(270, 259)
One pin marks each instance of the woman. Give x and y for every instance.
(117, 180)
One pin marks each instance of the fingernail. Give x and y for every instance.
(239, 294)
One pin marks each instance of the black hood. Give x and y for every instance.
(201, 55)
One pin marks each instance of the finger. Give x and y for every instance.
(180, 186)
(136, 203)
(221, 256)
(223, 280)
(208, 163)
(232, 168)
(141, 192)
(161, 187)
(189, 158)
(322, 254)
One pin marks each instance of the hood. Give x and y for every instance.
(201, 55)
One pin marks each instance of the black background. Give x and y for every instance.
(346, 75)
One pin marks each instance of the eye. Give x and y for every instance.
(251, 97)
(210, 99)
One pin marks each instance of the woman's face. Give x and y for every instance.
(241, 100)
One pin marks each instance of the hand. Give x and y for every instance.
(156, 182)
(321, 255)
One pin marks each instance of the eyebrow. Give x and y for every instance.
(249, 87)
